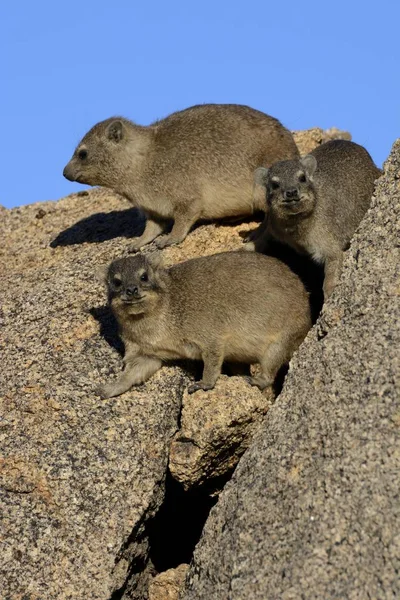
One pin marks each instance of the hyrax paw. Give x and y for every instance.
(260, 382)
(199, 385)
(105, 391)
(248, 247)
(134, 248)
(164, 242)
(251, 236)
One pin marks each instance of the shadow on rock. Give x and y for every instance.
(108, 327)
(101, 227)
(176, 529)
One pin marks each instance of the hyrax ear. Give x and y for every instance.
(155, 259)
(100, 273)
(115, 131)
(261, 176)
(309, 164)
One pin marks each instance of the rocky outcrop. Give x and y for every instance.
(309, 139)
(81, 479)
(167, 585)
(313, 509)
(215, 429)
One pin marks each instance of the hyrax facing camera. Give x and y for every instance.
(236, 306)
(195, 164)
(315, 204)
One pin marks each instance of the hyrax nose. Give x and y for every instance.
(67, 173)
(292, 194)
(132, 291)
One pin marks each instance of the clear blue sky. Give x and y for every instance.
(67, 65)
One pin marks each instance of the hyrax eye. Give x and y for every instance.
(117, 281)
(82, 154)
(144, 277)
(274, 185)
(302, 178)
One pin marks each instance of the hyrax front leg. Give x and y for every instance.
(137, 370)
(185, 218)
(152, 230)
(213, 359)
(333, 269)
(261, 229)
(258, 240)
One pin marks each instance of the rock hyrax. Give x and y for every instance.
(195, 164)
(315, 204)
(236, 306)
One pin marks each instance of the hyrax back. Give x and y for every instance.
(235, 306)
(195, 164)
(315, 204)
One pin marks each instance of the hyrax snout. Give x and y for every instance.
(195, 164)
(315, 204)
(236, 306)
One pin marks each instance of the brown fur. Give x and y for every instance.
(320, 214)
(232, 306)
(195, 164)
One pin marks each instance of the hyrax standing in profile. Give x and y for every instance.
(315, 204)
(195, 164)
(236, 306)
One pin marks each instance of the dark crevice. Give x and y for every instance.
(280, 380)
(169, 538)
(117, 595)
(135, 551)
(133, 580)
(177, 527)
(322, 332)
(136, 584)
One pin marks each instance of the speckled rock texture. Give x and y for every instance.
(167, 585)
(308, 139)
(216, 427)
(313, 508)
(79, 477)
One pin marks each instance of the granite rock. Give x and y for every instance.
(312, 510)
(308, 139)
(167, 585)
(80, 478)
(216, 427)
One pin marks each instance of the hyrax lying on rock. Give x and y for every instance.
(315, 204)
(236, 306)
(195, 164)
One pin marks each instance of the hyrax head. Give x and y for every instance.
(98, 158)
(289, 185)
(135, 283)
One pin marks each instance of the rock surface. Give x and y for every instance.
(308, 139)
(79, 477)
(215, 429)
(313, 508)
(167, 585)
